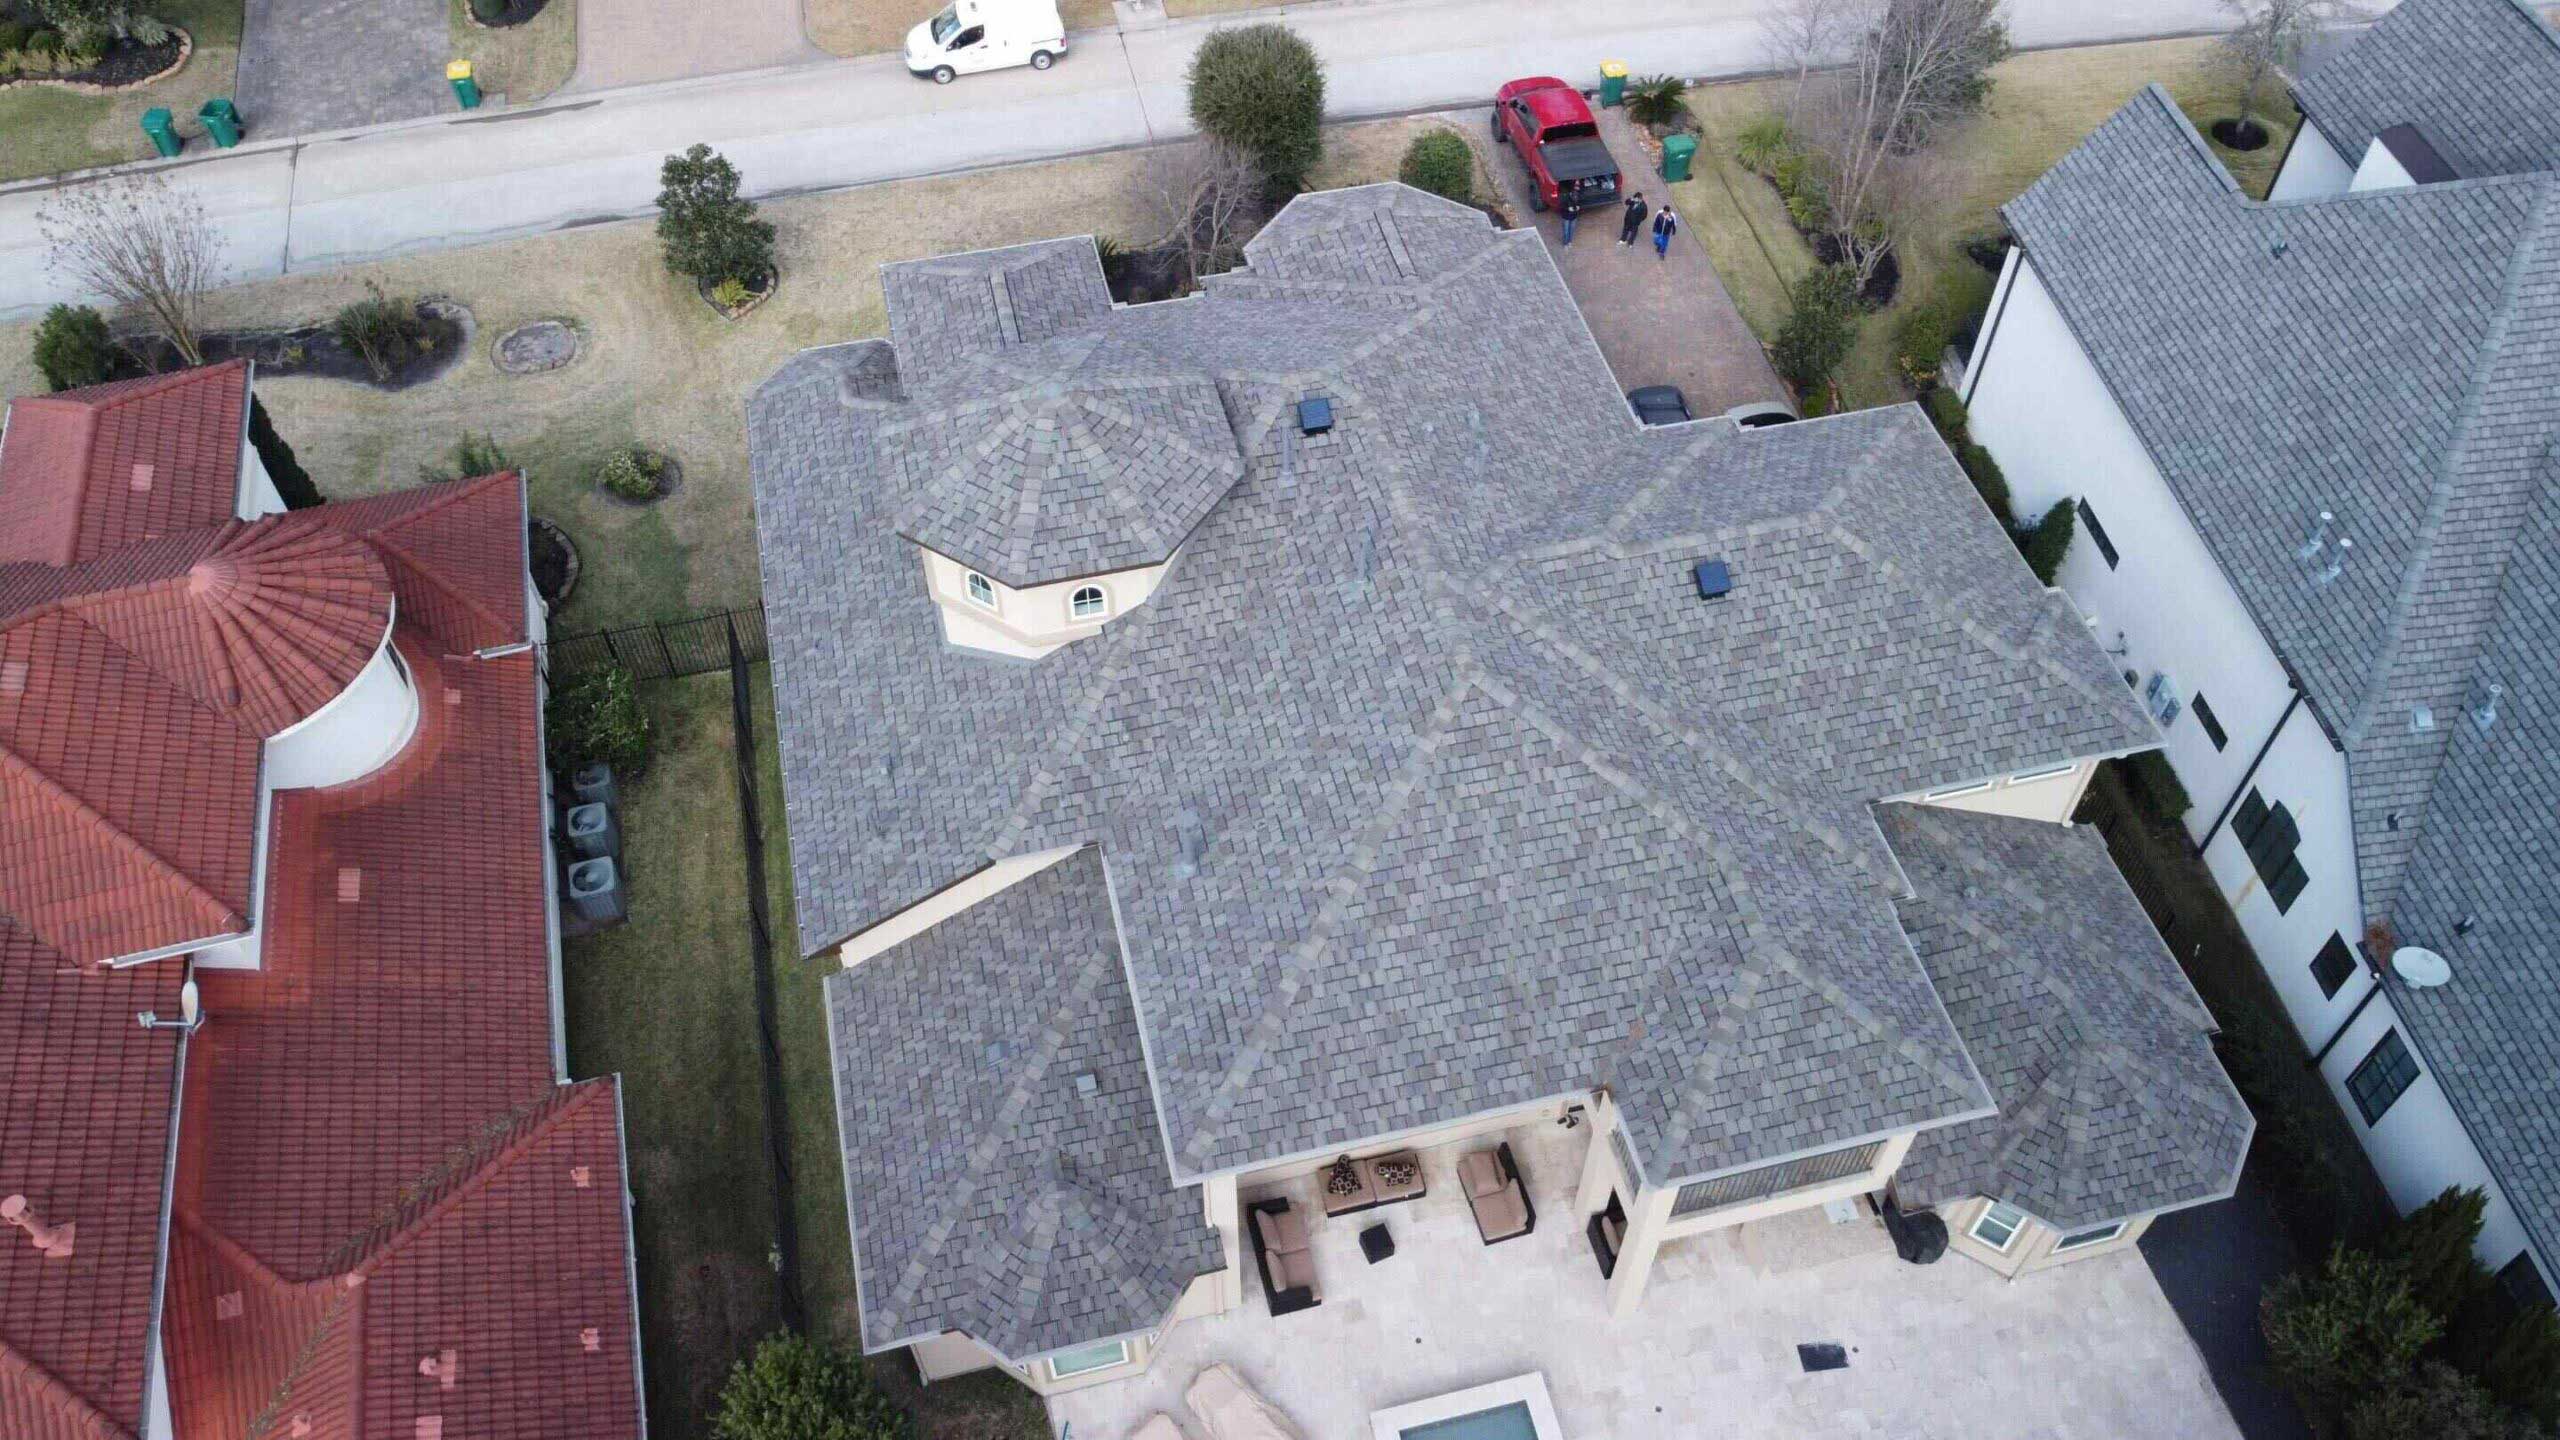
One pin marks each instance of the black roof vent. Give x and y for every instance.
(1315, 415)
(1714, 580)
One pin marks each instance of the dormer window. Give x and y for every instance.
(982, 591)
(1088, 603)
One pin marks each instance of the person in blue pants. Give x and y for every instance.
(1569, 210)
(1665, 225)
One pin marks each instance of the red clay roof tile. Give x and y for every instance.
(88, 471)
(456, 553)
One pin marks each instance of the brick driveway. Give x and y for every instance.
(1659, 322)
(308, 65)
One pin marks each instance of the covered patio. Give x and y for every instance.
(1949, 1349)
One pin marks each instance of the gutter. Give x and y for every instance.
(2344, 1025)
(630, 1261)
(2251, 773)
(168, 1205)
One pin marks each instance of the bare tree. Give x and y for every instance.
(1801, 36)
(1204, 200)
(1910, 67)
(141, 243)
(2270, 35)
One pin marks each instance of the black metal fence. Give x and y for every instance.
(663, 650)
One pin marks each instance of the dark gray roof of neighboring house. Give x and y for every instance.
(1426, 783)
(2391, 357)
(2097, 1049)
(992, 1193)
(2490, 854)
(2479, 78)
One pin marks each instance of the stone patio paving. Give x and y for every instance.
(1949, 1350)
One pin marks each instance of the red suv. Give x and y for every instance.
(1547, 121)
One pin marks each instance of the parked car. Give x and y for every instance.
(1758, 413)
(973, 35)
(1660, 405)
(1550, 125)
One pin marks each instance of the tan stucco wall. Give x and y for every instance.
(943, 904)
(1031, 622)
(2052, 797)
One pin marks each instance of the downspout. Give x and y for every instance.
(168, 1205)
(2341, 1032)
(2016, 262)
(2252, 772)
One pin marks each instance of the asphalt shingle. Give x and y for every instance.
(2479, 78)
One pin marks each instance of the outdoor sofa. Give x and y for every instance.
(1497, 1194)
(1282, 1251)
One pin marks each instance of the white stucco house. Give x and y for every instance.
(2312, 444)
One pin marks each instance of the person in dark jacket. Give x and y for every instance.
(1634, 221)
(1665, 225)
(1569, 210)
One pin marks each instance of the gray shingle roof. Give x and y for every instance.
(1426, 783)
(2479, 78)
(1002, 1161)
(2096, 1047)
(2390, 357)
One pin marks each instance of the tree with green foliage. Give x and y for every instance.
(2046, 544)
(2350, 1326)
(291, 480)
(1440, 162)
(2520, 1362)
(598, 716)
(1260, 89)
(1818, 330)
(2432, 1246)
(1655, 99)
(792, 1388)
(709, 232)
(73, 348)
(2437, 1402)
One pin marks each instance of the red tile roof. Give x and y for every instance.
(456, 554)
(89, 471)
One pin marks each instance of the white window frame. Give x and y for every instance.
(1102, 601)
(2095, 1235)
(1059, 1372)
(2029, 777)
(2015, 1221)
(971, 582)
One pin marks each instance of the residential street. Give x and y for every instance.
(460, 180)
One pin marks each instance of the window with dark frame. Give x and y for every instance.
(2211, 722)
(2381, 1077)
(2332, 966)
(2097, 533)
(2269, 835)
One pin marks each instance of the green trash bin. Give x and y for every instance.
(164, 134)
(221, 121)
(1677, 152)
(1613, 82)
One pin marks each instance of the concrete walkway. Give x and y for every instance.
(309, 65)
(641, 42)
(1666, 321)
(462, 180)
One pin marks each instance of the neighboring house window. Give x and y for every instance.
(2084, 1238)
(2382, 1076)
(2268, 833)
(2211, 722)
(1999, 1225)
(1085, 1359)
(1087, 603)
(982, 590)
(2097, 534)
(2332, 966)
(2523, 1283)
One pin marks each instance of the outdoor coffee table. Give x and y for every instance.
(1376, 1243)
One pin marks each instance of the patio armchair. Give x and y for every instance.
(1158, 1426)
(1497, 1194)
(1229, 1409)
(1283, 1253)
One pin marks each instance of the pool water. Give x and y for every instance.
(1502, 1422)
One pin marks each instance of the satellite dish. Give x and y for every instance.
(2421, 968)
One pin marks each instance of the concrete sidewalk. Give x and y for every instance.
(465, 179)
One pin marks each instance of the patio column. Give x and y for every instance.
(1599, 1165)
(1648, 1213)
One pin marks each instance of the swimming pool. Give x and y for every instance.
(1503, 1422)
(1513, 1409)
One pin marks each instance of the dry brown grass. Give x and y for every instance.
(46, 130)
(522, 62)
(867, 27)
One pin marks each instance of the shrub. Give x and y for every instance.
(1947, 413)
(1762, 144)
(791, 1388)
(73, 348)
(1260, 89)
(2438, 1403)
(2155, 787)
(731, 293)
(13, 37)
(489, 12)
(1818, 330)
(1808, 211)
(710, 233)
(2519, 1359)
(473, 457)
(598, 716)
(291, 480)
(1440, 162)
(386, 330)
(1655, 99)
(631, 474)
(2432, 1246)
(2352, 1324)
(2046, 544)
(1951, 315)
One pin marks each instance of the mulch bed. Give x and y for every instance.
(313, 350)
(508, 15)
(555, 560)
(670, 480)
(126, 64)
(536, 346)
(2233, 135)
(1881, 284)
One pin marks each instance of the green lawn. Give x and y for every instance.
(45, 130)
(2042, 104)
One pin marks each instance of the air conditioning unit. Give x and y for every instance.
(2160, 695)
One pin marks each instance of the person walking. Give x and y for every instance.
(1665, 225)
(1570, 210)
(1634, 220)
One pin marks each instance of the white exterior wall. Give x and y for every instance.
(2381, 170)
(2310, 780)
(351, 736)
(2039, 797)
(258, 494)
(2040, 408)
(1029, 623)
(2312, 168)
(943, 904)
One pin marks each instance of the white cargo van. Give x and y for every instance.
(973, 35)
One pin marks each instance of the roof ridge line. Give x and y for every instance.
(1883, 1027)
(485, 1162)
(67, 1402)
(1709, 1061)
(429, 575)
(13, 763)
